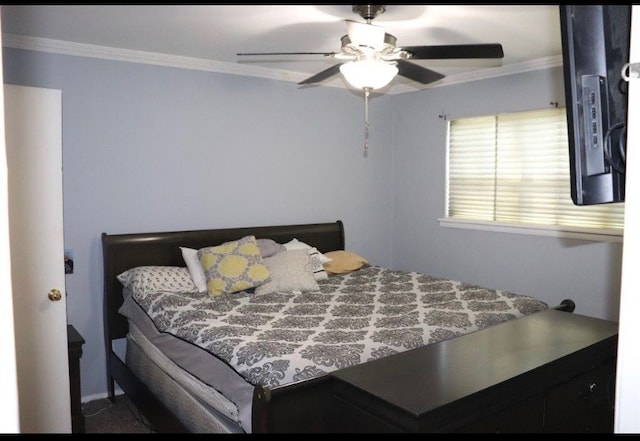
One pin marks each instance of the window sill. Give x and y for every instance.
(596, 235)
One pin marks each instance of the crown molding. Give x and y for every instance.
(492, 72)
(159, 59)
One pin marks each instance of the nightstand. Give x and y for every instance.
(74, 345)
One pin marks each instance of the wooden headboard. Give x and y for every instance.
(124, 251)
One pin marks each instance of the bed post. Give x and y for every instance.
(106, 316)
(566, 305)
(259, 409)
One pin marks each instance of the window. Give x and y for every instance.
(511, 171)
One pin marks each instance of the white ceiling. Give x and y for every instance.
(209, 36)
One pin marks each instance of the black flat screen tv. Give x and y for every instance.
(595, 49)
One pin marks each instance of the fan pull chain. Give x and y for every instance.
(366, 121)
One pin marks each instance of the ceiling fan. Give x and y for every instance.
(370, 58)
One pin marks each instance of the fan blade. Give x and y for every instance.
(455, 51)
(322, 75)
(326, 54)
(417, 73)
(365, 36)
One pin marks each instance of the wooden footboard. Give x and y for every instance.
(567, 305)
(302, 407)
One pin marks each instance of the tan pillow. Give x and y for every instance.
(343, 261)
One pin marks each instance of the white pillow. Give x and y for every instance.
(196, 271)
(151, 279)
(317, 267)
(295, 244)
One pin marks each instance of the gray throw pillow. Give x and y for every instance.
(269, 247)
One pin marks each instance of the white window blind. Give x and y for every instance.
(514, 169)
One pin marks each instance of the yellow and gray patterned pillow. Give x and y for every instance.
(233, 266)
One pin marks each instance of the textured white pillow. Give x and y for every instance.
(196, 271)
(290, 271)
(295, 244)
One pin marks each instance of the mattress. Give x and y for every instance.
(195, 404)
(188, 363)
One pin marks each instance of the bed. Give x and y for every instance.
(259, 360)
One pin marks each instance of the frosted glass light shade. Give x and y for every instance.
(370, 74)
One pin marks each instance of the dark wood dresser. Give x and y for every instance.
(552, 371)
(74, 346)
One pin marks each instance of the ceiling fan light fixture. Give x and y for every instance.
(368, 74)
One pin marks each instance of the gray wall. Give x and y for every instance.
(158, 149)
(162, 149)
(548, 268)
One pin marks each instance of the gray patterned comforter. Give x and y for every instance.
(278, 338)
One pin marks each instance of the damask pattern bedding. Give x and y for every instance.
(278, 338)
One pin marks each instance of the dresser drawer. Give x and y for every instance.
(522, 417)
(580, 396)
(349, 418)
(597, 420)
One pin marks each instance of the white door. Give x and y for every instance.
(33, 126)
(627, 393)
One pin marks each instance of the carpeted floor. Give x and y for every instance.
(103, 416)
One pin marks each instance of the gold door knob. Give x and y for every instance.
(54, 295)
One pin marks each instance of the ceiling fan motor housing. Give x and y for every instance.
(368, 12)
(387, 49)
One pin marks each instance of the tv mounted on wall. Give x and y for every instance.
(595, 49)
